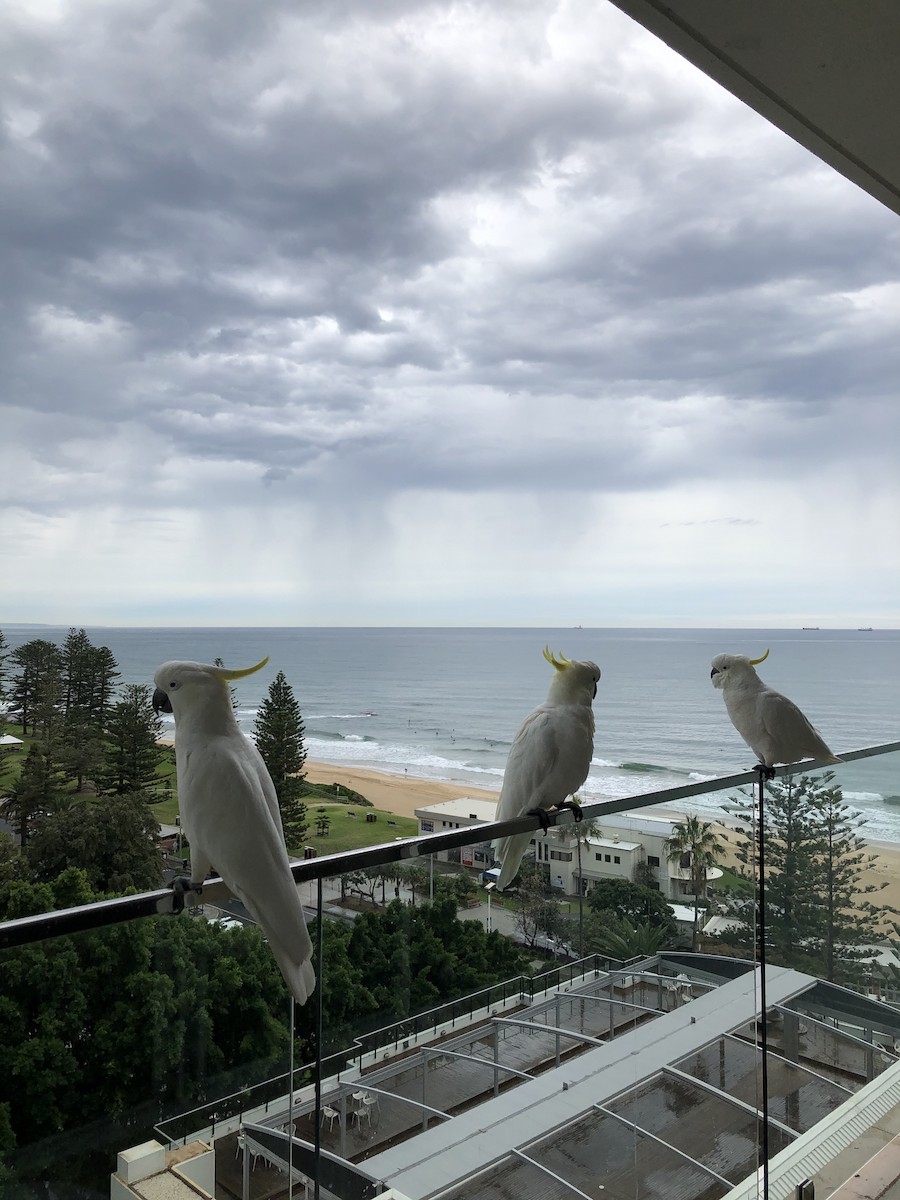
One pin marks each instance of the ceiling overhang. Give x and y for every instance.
(827, 72)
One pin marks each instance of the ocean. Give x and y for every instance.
(444, 704)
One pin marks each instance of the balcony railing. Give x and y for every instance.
(64, 1142)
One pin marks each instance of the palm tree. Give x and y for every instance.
(624, 940)
(695, 844)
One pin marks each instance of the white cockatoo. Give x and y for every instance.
(550, 756)
(772, 726)
(229, 811)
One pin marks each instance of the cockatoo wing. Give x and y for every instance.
(235, 826)
(548, 761)
(786, 734)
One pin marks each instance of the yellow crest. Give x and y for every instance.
(754, 662)
(224, 673)
(559, 663)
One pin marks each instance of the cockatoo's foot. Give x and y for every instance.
(575, 807)
(543, 819)
(181, 885)
(764, 771)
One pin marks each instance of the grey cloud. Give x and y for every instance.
(222, 188)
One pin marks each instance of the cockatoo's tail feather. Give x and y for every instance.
(772, 726)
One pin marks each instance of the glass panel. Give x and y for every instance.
(177, 1029)
(797, 1098)
(602, 1152)
(703, 1125)
(107, 1033)
(512, 1179)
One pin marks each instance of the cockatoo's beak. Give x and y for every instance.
(161, 701)
(713, 672)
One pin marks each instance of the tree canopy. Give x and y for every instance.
(819, 914)
(633, 902)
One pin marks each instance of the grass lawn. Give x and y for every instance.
(348, 832)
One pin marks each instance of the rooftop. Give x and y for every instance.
(643, 1080)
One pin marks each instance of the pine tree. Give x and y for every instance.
(279, 732)
(105, 672)
(816, 917)
(34, 660)
(133, 754)
(847, 921)
(5, 654)
(34, 794)
(76, 669)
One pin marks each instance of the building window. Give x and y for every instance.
(599, 857)
(616, 858)
(427, 826)
(561, 855)
(652, 860)
(606, 858)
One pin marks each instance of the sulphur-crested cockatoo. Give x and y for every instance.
(772, 726)
(550, 756)
(229, 810)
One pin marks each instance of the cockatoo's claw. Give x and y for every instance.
(575, 807)
(181, 885)
(764, 771)
(543, 819)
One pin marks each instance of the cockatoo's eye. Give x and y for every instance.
(173, 685)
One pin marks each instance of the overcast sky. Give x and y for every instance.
(428, 313)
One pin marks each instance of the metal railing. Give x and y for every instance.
(27, 930)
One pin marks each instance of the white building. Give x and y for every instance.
(622, 843)
(460, 814)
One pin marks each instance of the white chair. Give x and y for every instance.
(331, 1115)
(359, 1113)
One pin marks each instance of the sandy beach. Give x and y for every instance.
(403, 794)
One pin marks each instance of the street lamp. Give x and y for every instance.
(489, 887)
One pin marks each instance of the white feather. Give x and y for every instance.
(229, 811)
(549, 758)
(772, 726)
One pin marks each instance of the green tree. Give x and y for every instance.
(115, 841)
(847, 920)
(623, 899)
(323, 825)
(279, 734)
(791, 872)
(623, 940)
(34, 794)
(694, 846)
(82, 749)
(77, 670)
(818, 917)
(5, 654)
(414, 877)
(537, 911)
(35, 659)
(105, 673)
(13, 863)
(133, 754)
